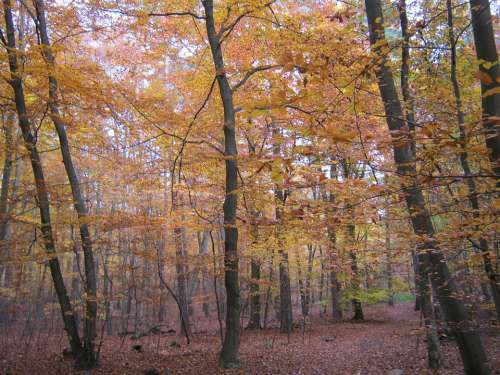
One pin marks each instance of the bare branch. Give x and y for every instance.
(177, 14)
(229, 28)
(155, 14)
(251, 72)
(225, 31)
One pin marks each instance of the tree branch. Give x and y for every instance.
(155, 14)
(251, 72)
(177, 14)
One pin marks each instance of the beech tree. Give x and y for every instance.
(42, 194)
(430, 256)
(89, 358)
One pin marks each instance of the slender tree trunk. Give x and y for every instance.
(181, 269)
(416, 271)
(322, 307)
(388, 252)
(356, 303)
(309, 293)
(333, 260)
(89, 359)
(255, 305)
(108, 285)
(229, 352)
(494, 279)
(432, 340)
(268, 292)
(162, 310)
(468, 340)
(255, 265)
(203, 243)
(409, 110)
(302, 290)
(75, 277)
(10, 145)
(41, 186)
(108, 294)
(286, 314)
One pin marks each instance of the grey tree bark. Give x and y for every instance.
(203, 244)
(181, 268)
(255, 262)
(10, 145)
(425, 294)
(493, 277)
(285, 310)
(389, 271)
(356, 303)
(333, 256)
(255, 305)
(427, 310)
(487, 55)
(229, 352)
(88, 357)
(468, 340)
(41, 186)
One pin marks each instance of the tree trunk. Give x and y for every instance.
(302, 290)
(268, 292)
(333, 257)
(203, 243)
(229, 352)
(468, 340)
(493, 278)
(416, 271)
(322, 306)
(108, 285)
(255, 264)
(180, 268)
(75, 277)
(388, 251)
(356, 303)
(309, 293)
(487, 55)
(432, 340)
(10, 145)
(41, 186)
(286, 313)
(88, 358)
(254, 322)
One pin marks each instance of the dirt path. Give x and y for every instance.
(389, 339)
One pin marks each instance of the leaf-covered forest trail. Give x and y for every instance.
(390, 338)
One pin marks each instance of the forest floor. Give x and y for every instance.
(390, 338)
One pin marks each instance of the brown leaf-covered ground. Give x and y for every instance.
(389, 339)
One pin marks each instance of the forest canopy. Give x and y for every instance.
(187, 183)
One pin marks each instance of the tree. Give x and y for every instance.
(489, 71)
(8, 121)
(88, 358)
(464, 161)
(468, 341)
(229, 353)
(41, 186)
